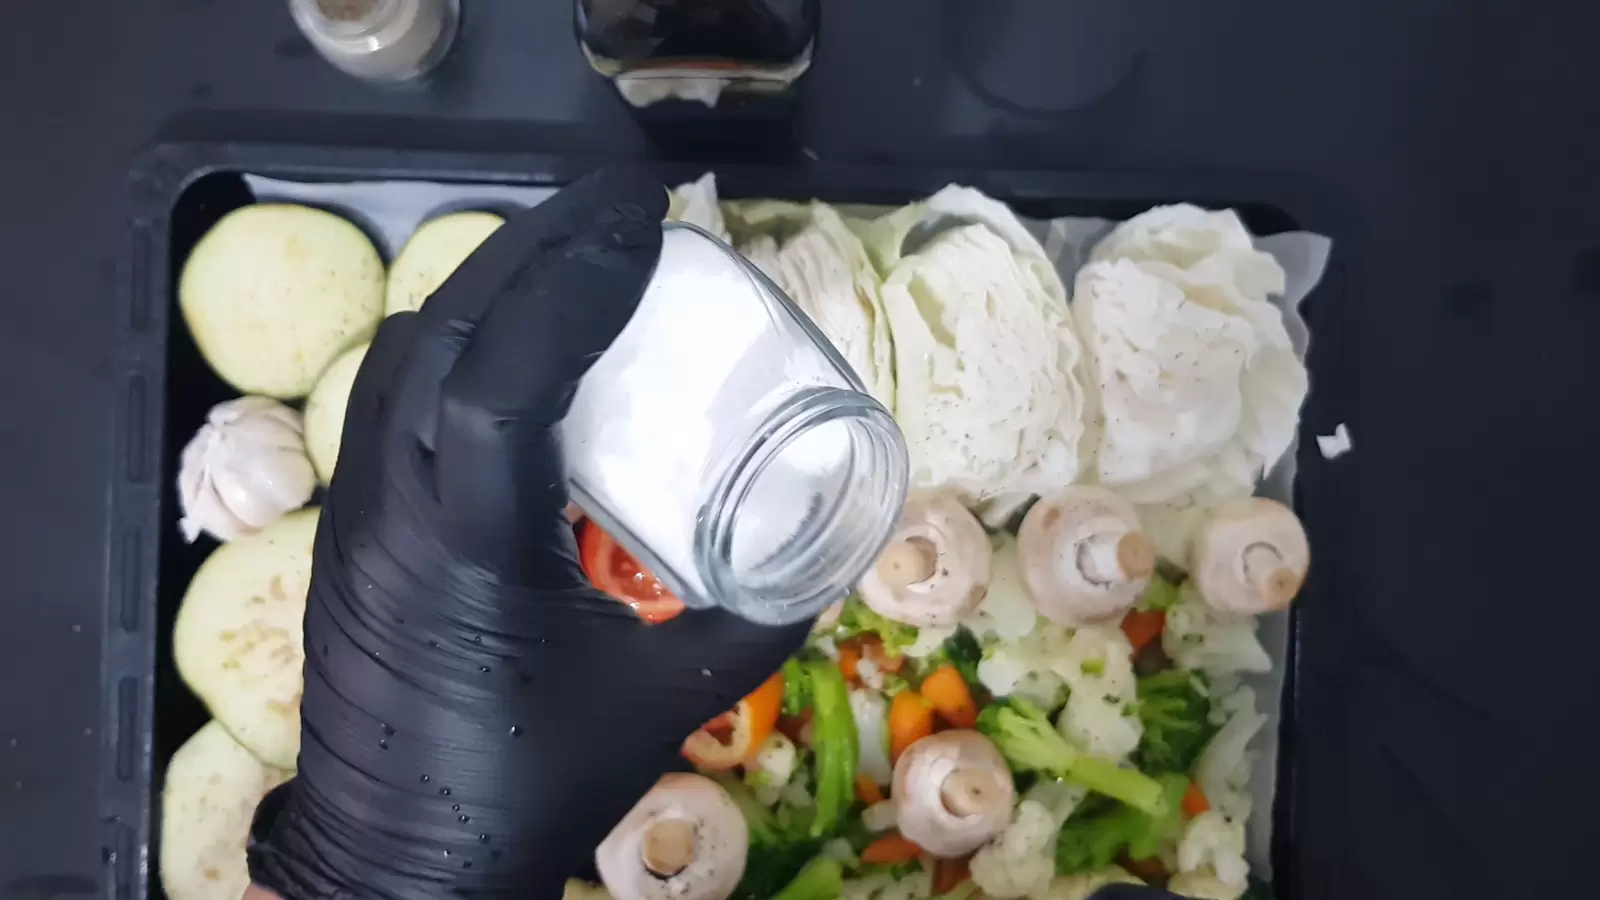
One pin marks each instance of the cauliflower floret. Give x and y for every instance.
(1058, 796)
(871, 712)
(772, 768)
(1023, 669)
(1213, 842)
(1198, 384)
(1217, 643)
(1021, 861)
(930, 640)
(1101, 714)
(1223, 770)
(1005, 613)
(1203, 884)
(1083, 884)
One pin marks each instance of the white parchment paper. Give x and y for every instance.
(390, 211)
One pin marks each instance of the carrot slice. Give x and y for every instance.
(872, 651)
(949, 695)
(850, 663)
(868, 790)
(889, 849)
(949, 874)
(1143, 627)
(910, 720)
(1149, 869)
(1194, 801)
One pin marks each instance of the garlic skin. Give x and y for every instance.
(243, 469)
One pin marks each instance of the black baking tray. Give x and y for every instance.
(165, 388)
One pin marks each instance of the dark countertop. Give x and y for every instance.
(1455, 147)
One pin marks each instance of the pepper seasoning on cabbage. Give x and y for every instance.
(1197, 387)
(810, 252)
(988, 389)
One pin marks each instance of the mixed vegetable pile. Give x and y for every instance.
(1041, 686)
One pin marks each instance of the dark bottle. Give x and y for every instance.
(709, 53)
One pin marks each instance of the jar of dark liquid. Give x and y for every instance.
(698, 51)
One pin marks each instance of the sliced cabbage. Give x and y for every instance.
(809, 252)
(988, 388)
(208, 801)
(695, 202)
(274, 292)
(432, 254)
(1198, 387)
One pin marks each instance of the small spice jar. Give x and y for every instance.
(726, 444)
(383, 41)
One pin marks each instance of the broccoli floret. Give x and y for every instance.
(821, 879)
(1030, 743)
(796, 687)
(859, 618)
(1090, 842)
(779, 845)
(1175, 713)
(961, 650)
(1160, 594)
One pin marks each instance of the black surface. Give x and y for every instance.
(1459, 139)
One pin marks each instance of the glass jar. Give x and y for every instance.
(697, 50)
(384, 41)
(726, 444)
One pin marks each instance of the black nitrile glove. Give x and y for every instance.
(476, 716)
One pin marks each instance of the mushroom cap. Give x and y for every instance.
(1084, 558)
(953, 792)
(1251, 557)
(936, 567)
(684, 840)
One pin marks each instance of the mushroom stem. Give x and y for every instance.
(1264, 568)
(667, 847)
(908, 562)
(1106, 557)
(969, 792)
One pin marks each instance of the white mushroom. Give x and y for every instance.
(952, 793)
(936, 567)
(1250, 557)
(685, 840)
(1084, 558)
(243, 469)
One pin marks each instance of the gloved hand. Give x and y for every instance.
(476, 716)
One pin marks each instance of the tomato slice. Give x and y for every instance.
(737, 735)
(615, 571)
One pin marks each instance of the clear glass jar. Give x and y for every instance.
(383, 41)
(723, 441)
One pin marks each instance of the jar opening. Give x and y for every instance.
(806, 509)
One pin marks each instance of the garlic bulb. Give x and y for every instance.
(243, 469)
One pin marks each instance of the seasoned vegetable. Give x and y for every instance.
(273, 293)
(684, 840)
(1176, 714)
(615, 571)
(947, 692)
(936, 567)
(1083, 556)
(1092, 841)
(239, 635)
(325, 411)
(821, 879)
(208, 801)
(835, 743)
(1031, 744)
(1251, 557)
(434, 251)
(952, 793)
(737, 735)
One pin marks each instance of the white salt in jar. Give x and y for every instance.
(723, 441)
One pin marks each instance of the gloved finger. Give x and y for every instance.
(497, 452)
(373, 389)
(500, 268)
(722, 655)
